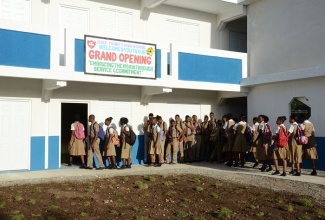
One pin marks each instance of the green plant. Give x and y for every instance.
(18, 217)
(37, 190)
(238, 191)
(140, 218)
(15, 212)
(150, 178)
(245, 186)
(145, 195)
(254, 207)
(218, 185)
(242, 202)
(304, 218)
(198, 218)
(214, 195)
(138, 210)
(289, 208)
(126, 179)
(90, 189)
(84, 214)
(142, 186)
(32, 201)
(197, 179)
(109, 186)
(18, 198)
(181, 214)
(120, 194)
(171, 193)
(320, 212)
(306, 202)
(113, 181)
(50, 218)
(2, 204)
(186, 200)
(199, 189)
(164, 176)
(120, 205)
(182, 205)
(56, 195)
(86, 203)
(224, 213)
(264, 193)
(260, 214)
(168, 183)
(54, 207)
(113, 212)
(277, 201)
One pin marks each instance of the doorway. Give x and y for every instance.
(68, 113)
(236, 106)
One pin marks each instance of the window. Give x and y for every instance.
(299, 109)
(15, 10)
(116, 24)
(180, 32)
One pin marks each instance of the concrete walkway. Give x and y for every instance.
(213, 170)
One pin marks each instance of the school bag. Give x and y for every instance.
(282, 138)
(300, 137)
(267, 135)
(115, 139)
(248, 134)
(79, 132)
(132, 138)
(101, 133)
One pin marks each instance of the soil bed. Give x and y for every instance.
(153, 197)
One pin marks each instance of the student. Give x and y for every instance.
(240, 145)
(155, 146)
(229, 133)
(180, 125)
(197, 138)
(309, 150)
(295, 150)
(173, 133)
(205, 138)
(255, 131)
(109, 150)
(212, 133)
(126, 148)
(147, 129)
(215, 138)
(77, 141)
(94, 145)
(281, 146)
(189, 139)
(163, 132)
(264, 140)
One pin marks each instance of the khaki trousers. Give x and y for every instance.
(174, 145)
(91, 151)
(181, 147)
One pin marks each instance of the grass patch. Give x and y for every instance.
(245, 187)
(2, 204)
(141, 185)
(198, 218)
(254, 207)
(84, 214)
(181, 214)
(306, 202)
(126, 179)
(224, 213)
(182, 205)
(120, 205)
(168, 183)
(215, 195)
(90, 189)
(50, 218)
(242, 202)
(197, 179)
(137, 210)
(119, 194)
(218, 185)
(86, 203)
(186, 200)
(56, 195)
(264, 193)
(289, 208)
(18, 198)
(260, 214)
(171, 193)
(32, 201)
(18, 217)
(54, 207)
(277, 201)
(37, 190)
(109, 186)
(140, 218)
(113, 212)
(150, 178)
(320, 212)
(238, 191)
(199, 189)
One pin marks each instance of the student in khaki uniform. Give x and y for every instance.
(163, 132)
(189, 139)
(214, 132)
(126, 148)
(255, 131)
(109, 150)
(295, 150)
(309, 150)
(205, 139)
(197, 138)
(240, 145)
(180, 126)
(77, 146)
(147, 132)
(216, 139)
(94, 145)
(173, 133)
(155, 146)
(230, 136)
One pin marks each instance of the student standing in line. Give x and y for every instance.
(264, 140)
(255, 141)
(155, 146)
(229, 132)
(205, 139)
(215, 137)
(309, 150)
(173, 133)
(197, 138)
(163, 131)
(240, 146)
(189, 139)
(109, 150)
(295, 150)
(94, 145)
(281, 146)
(212, 133)
(147, 131)
(126, 148)
(180, 125)
(77, 141)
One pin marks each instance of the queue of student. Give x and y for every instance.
(228, 140)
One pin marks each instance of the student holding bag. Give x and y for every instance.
(77, 141)
(295, 150)
(111, 141)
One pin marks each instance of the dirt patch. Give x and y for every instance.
(153, 197)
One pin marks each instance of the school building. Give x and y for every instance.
(129, 58)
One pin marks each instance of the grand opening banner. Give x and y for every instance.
(105, 56)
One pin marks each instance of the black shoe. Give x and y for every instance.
(122, 167)
(314, 173)
(255, 165)
(158, 165)
(100, 168)
(151, 165)
(263, 168)
(83, 166)
(283, 174)
(297, 174)
(128, 166)
(276, 172)
(114, 167)
(292, 172)
(89, 168)
(70, 164)
(270, 169)
(229, 164)
(236, 165)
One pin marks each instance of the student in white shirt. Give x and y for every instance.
(255, 131)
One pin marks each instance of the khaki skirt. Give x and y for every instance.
(240, 144)
(262, 151)
(295, 152)
(77, 148)
(280, 154)
(110, 151)
(126, 151)
(309, 153)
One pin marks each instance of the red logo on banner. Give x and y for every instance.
(91, 44)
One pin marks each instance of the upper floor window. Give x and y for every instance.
(15, 10)
(180, 32)
(116, 24)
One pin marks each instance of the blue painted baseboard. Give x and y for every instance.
(37, 153)
(54, 152)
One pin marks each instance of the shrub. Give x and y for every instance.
(224, 213)
(168, 183)
(238, 191)
(84, 214)
(32, 201)
(199, 189)
(18, 198)
(171, 193)
(150, 178)
(288, 208)
(2, 204)
(306, 202)
(186, 200)
(86, 203)
(277, 201)
(260, 214)
(214, 195)
(181, 214)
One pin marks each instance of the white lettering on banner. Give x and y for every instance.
(119, 58)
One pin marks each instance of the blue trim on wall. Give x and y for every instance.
(79, 61)
(194, 67)
(23, 49)
(37, 153)
(158, 63)
(54, 152)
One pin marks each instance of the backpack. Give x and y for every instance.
(115, 139)
(132, 138)
(101, 133)
(79, 132)
(248, 134)
(282, 138)
(300, 137)
(267, 135)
